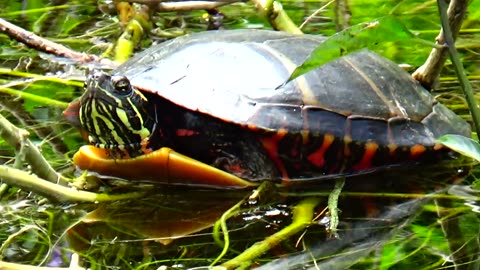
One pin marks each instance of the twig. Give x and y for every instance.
(191, 5)
(16, 137)
(310, 18)
(302, 217)
(277, 16)
(47, 46)
(457, 64)
(56, 192)
(428, 73)
(222, 222)
(182, 5)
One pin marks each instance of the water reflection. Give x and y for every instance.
(469, 194)
(173, 227)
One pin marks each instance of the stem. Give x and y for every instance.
(277, 16)
(429, 72)
(333, 206)
(222, 223)
(459, 70)
(34, 41)
(302, 218)
(56, 192)
(17, 138)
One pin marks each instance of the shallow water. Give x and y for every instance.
(385, 219)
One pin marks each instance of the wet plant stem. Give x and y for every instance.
(18, 139)
(455, 58)
(303, 214)
(333, 206)
(34, 41)
(54, 192)
(222, 222)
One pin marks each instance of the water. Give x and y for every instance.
(385, 218)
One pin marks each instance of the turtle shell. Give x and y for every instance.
(352, 114)
(234, 75)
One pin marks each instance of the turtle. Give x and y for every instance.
(207, 109)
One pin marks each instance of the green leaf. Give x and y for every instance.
(462, 145)
(363, 35)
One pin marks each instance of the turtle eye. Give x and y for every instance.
(121, 85)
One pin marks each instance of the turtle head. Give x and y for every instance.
(114, 114)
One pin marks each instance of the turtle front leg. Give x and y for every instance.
(163, 166)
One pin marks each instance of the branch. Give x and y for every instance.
(191, 5)
(277, 16)
(55, 192)
(47, 46)
(429, 72)
(17, 138)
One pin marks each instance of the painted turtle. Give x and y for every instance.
(212, 98)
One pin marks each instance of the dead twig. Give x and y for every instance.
(172, 6)
(57, 193)
(191, 5)
(312, 16)
(34, 41)
(429, 72)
